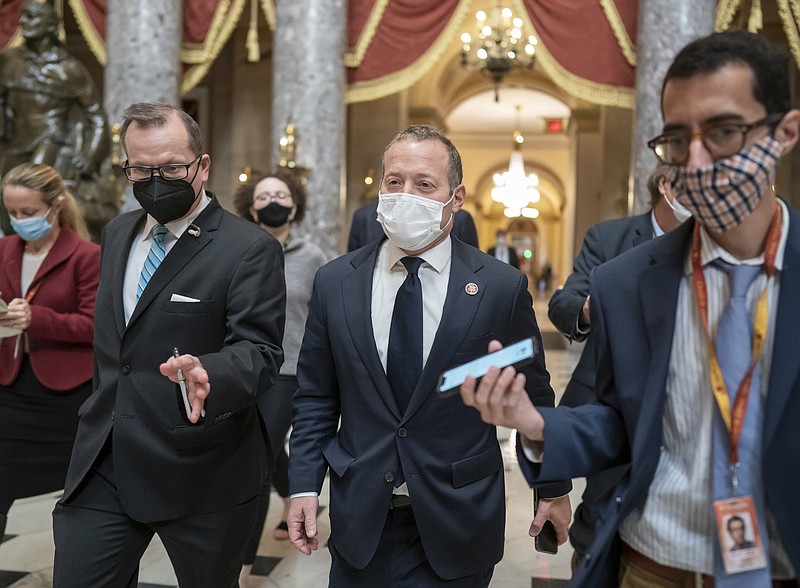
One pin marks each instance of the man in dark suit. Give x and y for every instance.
(365, 227)
(569, 312)
(502, 251)
(727, 122)
(143, 462)
(416, 487)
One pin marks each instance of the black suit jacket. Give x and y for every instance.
(602, 242)
(165, 467)
(365, 227)
(633, 306)
(451, 459)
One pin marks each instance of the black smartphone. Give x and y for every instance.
(546, 541)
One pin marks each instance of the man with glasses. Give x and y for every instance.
(188, 329)
(695, 333)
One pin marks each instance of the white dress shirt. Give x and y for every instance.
(141, 247)
(676, 527)
(389, 275)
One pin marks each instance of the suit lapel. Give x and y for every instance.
(659, 285)
(357, 298)
(13, 267)
(119, 245)
(644, 229)
(62, 250)
(457, 316)
(785, 352)
(181, 253)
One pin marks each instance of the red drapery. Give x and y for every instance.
(586, 46)
(580, 38)
(579, 50)
(9, 17)
(407, 32)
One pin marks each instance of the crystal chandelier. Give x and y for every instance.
(515, 189)
(497, 46)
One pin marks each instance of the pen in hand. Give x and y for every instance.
(184, 390)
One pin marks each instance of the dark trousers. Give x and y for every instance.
(98, 544)
(276, 411)
(399, 561)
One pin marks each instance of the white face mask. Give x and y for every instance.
(679, 210)
(411, 222)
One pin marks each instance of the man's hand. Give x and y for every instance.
(302, 523)
(557, 510)
(585, 320)
(502, 400)
(196, 379)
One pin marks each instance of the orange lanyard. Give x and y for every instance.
(32, 291)
(734, 419)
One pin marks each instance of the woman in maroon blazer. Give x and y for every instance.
(49, 273)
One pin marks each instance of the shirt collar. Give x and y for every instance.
(657, 230)
(178, 227)
(710, 250)
(436, 258)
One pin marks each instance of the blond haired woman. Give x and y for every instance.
(48, 282)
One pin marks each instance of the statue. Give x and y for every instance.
(50, 113)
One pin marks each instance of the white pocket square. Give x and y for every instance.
(182, 298)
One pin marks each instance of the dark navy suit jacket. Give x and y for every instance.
(633, 303)
(602, 242)
(450, 458)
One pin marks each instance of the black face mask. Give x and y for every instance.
(165, 200)
(274, 215)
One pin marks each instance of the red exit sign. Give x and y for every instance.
(554, 125)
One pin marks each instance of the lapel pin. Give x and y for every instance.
(471, 288)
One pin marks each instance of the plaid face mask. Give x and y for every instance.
(721, 195)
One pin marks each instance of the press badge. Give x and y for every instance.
(739, 535)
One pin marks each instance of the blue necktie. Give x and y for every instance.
(154, 258)
(404, 356)
(734, 346)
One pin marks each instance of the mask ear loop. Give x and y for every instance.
(452, 214)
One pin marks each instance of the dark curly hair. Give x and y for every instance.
(243, 197)
(768, 63)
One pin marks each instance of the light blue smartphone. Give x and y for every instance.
(516, 354)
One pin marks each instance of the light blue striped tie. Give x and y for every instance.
(154, 258)
(734, 351)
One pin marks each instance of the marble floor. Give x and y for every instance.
(26, 554)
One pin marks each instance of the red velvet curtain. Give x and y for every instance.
(9, 18)
(586, 46)
(406, 31)
(580, 38)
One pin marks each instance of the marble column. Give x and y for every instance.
(308, 82)
(664, 27)
(143, 54)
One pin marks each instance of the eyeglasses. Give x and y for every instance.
(272, 197)
(173, 171)
(720, 140)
